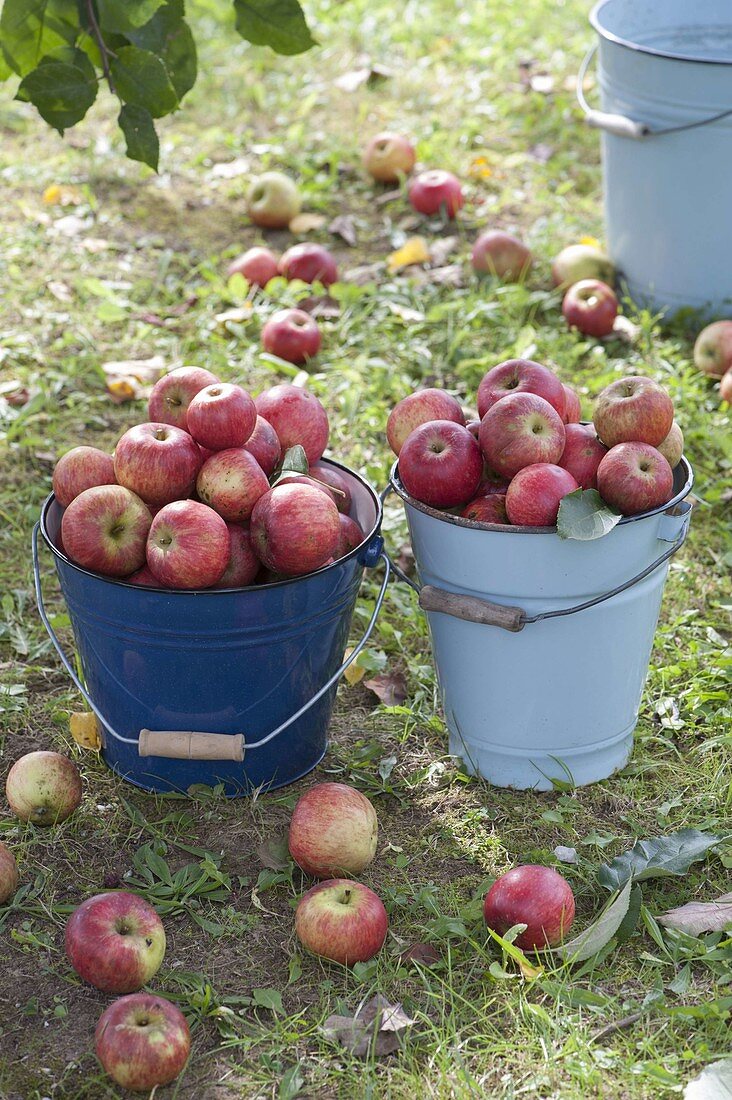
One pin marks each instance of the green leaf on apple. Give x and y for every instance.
(584, 515)
(294, 462)
(658, 857)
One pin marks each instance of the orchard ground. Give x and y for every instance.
(133, 268)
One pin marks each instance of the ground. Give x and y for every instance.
(132, 265)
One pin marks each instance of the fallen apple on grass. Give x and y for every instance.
(333, 831)
(713, 349)
(257, 265)
(535, 493)
(188, 545)
(634, 477)
(419, 408)
(520, 430)
(388, 156)
(309, 262)
(115, 941)
(520, 376)
(221, 416)
(43, 787)
(142, 1041)
(294, 528)
(172, 394)
(79, 469)
(231, 482)
(436, 192)
(105, 530)
(158, 462)
(273, 200)
(633, 410)
(292, 335)
(591, 307)
(297, 417)
(583, 452)
(341, 920)
(582, 261)
(440, 464)
(725, 387)
(8, 874)
(536, 896)
(499, 254)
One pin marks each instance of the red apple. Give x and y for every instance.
(535, 493)
(79, 469)
(491, 482)
(297, 416)
(591, 307)
(350, 536)
(188, 545)
(672, 447)
(436, 192)
(231, 482)
(535, 896)
(582, 261)
(633, 410)
(221, 416)
(294, 529)
(583, 452)
(306, 479)
(105, 528)
(521, 430)
(264, 444)
(273, 200)
(243, 562)
(8, 874)
(43, 787)
(441, 464)
(520, 376)
(333, 831)
(725, 387)
(292, 335)
(257, 265)
(142, 1042)
(487, 509)
(388, 157)
(498, 253)
(144, 577)
(713, 348)
(336, 483)
(172, 394)
(419, 408)
(634, 477)
(115, 941)
(309, 262)
(341, 920)
(572, 406)
(159, 462)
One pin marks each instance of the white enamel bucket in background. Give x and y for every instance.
(665, 78)
(533, 688)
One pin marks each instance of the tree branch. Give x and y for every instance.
(98, 38)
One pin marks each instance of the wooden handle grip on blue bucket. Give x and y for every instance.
(189, 745)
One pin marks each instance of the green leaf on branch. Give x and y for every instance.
(169, 37)
(276, 23)
(142, 80)
(30, 29)
(584, 515)
(600, 932)
(138, 127)
(61, 92)
(658, 857)
(124, 17)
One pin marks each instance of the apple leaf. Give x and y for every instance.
(140, 78)
(601, 931)
(658, 857)
(122, 18)
(700, 916)
(375, 1030)
(136, 123)
(713, 1083)
(584, 515)
(276, 23)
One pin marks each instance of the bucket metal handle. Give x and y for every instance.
(476, 610)
(191, 744)
(621, 125)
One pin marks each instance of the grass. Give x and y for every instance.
(74, 295)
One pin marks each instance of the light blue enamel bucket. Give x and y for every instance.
(665, 81)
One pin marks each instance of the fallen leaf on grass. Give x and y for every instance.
(657, 857)
(363, 274)
(274, 852)
(442, 248)
(451, 275)
(306, 223)
(405, 313)
(390, 687)
(356, 78)
(61, 291)
(70, 226)
(343, 226)
(230, 169)
(320, 305)
(480, 169)
(374, 1031)
(413, 251)
(423, 953)
(62, 194)
(174, 311)
(354, 673)
(15, 393)
(700, 916)
(94, 244)
(600, 932)
(236, 316)
(129, 379)
(84, 727)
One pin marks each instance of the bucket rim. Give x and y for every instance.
(124, 582)
(629, 44)
(514, 529)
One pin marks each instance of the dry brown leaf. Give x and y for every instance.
(61, 291)
(363, 274)
(320, 305)
(423, 953)
(697, 917)
(442, 248)
(344, 227)
(143, 370)
(389, 687)
(375, 1030)
(306, 223)
(274, 852)
(84, 727)
(413, 251)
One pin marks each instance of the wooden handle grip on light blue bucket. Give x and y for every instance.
(471, 609)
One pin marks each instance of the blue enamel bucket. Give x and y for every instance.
(665, 81)
(542, 644)
(221, 686)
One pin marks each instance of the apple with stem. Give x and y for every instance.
(501, 255)
(79, 469)
(634, 477)
(105, 528)
(333, 831)
(188, 545)
(257, 265)
(520, 376)
(309, 262)
(419, 408)
(536, 896)
(389, 156)
(591, 307)
(440, 464)
(158, 462)
(142, 1041)
(172, 394)
(295, 528)
(292, 335)
(43, 787)
(297, 416)
(633, 410)
(535, 493)
(115, 941)
(221, 416)
(342, 921)
(273, 200)
(436, 192)
(521, 430)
